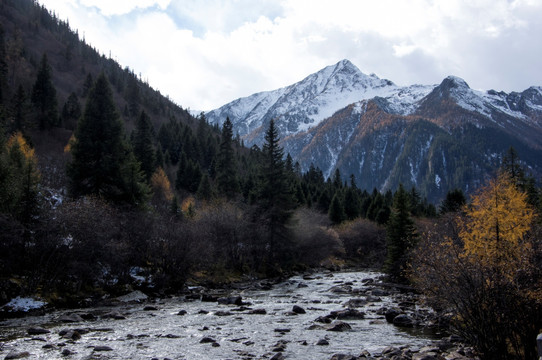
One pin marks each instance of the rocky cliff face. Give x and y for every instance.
(435, 137)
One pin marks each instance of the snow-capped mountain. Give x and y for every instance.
(298, 107)
(435, 137)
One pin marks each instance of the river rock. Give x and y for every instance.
(257, 312)
(343, 357)
(134, 296)
(102, 348)
(150, 308)
(392, 314)
(37, 331)
(223, 313)
(341, 289)
(278, 356)
(347, 314)
(17, 355)
(403, 320)
(355, 303)
(379, 292)
(70, 334)
(209, 298)
(67, 352)
(114, 315)
(182, 312)
(70, 318)
(324, 319)
(338, 326)
(231, 300)
(207, 340)
(322, 342)
(298, 309)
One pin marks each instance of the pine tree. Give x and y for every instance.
(133, 96)
(71, 112)
(87, 85)
(337, 179)
(226, 172)
(100, 163)
(511, 165)
(274, 198)
(205, 191)
(142, 145)
(400, 235)
(19, 109)
(44, 97)
(352, 203)
(3, 64)
(336, 209)
(136, 188)
(454, 201)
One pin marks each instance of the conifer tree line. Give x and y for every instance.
(151, 190)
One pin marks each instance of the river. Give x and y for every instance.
(260, 328)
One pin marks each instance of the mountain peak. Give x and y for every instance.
(454, 82)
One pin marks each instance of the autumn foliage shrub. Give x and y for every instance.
(364, 242)
(483, 266)
(314, 241)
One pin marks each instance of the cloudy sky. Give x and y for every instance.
(205, 53)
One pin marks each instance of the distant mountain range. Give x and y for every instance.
(434, 137)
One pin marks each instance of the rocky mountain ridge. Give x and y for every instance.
(434, 137)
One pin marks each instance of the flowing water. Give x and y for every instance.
(234, 333)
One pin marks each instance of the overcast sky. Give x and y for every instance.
(205, 53)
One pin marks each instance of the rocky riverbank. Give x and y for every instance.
(322, 316)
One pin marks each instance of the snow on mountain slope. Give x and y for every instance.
(301, 106)
(434, 137)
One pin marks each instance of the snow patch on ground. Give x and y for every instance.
(23, 304)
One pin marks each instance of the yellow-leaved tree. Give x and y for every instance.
(19, 179)
(161, 185)
(483, 266)
(493, 230)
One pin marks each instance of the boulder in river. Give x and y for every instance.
(341, 289)
(37, 331)
(134, 296)
(101, 348)
(322, 342)
(392, 314)
(355, 303)
(338, 326)
(70, 318)
(231, 300)
(17, 355)
(403, 320)
(207, 340)
(347, 314)
(298, 309)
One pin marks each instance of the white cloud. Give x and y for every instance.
(204, 54)
(120, 7)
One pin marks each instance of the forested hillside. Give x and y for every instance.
(106, 187)
(104, 180)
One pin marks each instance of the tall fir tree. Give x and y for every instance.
(336, 209)
(3, 66)
(44, 97)
(352, 203)
(400, 235)
(19, 109)
(71, 112)
(226, 167)
(101, 164)
(275, 199)
(142, 145)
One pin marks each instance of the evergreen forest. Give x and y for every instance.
(104, 181)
